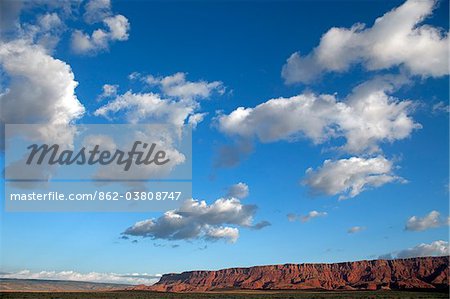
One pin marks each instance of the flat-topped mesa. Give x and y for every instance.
(412, 273)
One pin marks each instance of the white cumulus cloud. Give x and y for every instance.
(398, 38)
(196, 219)
(368, 117)
(432, 220)
(436, 248)
(117, 30)
(41, 89)
(350, 177)
(228, 233)
(176, 85)
(138, 107)
(108, 90)
(175, 101)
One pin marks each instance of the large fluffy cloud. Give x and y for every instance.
(36, 87)
(395, 39)
(41, 89)
(368, 117)
(432, 220)
(128, 278)
(196, 219)
(349, 177)
(436, 248)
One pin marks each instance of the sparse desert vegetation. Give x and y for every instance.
(231, 295)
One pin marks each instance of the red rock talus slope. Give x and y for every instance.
(413, 273)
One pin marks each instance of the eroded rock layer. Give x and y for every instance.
(413, 273)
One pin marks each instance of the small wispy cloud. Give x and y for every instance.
(355, 229)
(239, 190)
(305, 218)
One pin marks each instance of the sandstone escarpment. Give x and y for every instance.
(412, 273)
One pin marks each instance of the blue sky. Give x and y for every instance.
(244, 46)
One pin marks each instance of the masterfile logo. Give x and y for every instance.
(94, 156)
(97, 167)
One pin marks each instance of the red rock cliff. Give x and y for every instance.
(413, 273)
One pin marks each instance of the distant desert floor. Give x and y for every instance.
(225, 295)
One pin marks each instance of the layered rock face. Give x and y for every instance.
(413, 273)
